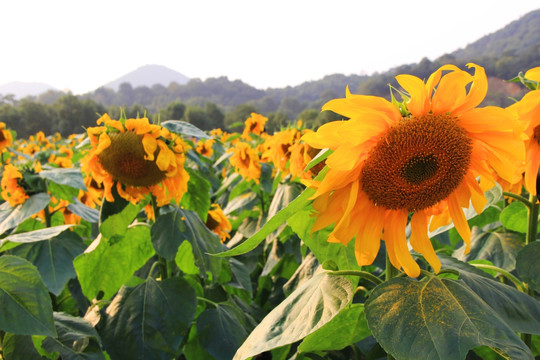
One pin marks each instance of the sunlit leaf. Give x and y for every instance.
(514, 217)
(528, 266)
(184, 128)
(150, 320)
(10, 217)
(107, 267)
(197, 198)
(348, 327)
(14, 240)
(26, 305)
(65, 176)
(436, 319)
(19, 347)
(307, 309)
(185, 260)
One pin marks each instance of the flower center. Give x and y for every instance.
(124, 160)
(418, 163)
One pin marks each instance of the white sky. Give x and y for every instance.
(80, 45)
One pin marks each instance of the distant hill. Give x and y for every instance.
(513, 38)
(23, 89)
(149, 75)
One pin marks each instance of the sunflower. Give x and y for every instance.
(254, 125)
(204, 147)
(140, 157)
(5, 137)
(528, 109)
(301, 155)
(12, 192)
(218, 222)
(387, 166)
(278, 147)
(245, 161)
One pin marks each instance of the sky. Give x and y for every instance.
(79, 46)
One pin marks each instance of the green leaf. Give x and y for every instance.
(54, 258)
(222, 330)
(514, 217)
(343, 256)
(193, 349)
(26, 306)
(12, 241)
(499, 248)
(519, 310)
(348, 327)
(150, 320)
(240, 275)
(77, 339)
(171, 228)
(85, 212)
(19, 347)
(197, 198)
(117, 224)
(184, 128)
(109, 208)
(240, 203)
(272, 224)
(13, 216)
(528, 266)
(108, 266)
(62, 176)
(308, 308)
(436, 319)
(185, 260)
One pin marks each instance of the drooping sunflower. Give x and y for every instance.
(387, 166)
(218, 222)
(245, 161)
(254, 125)
(139, 157)
(12, 191)
(528, 109)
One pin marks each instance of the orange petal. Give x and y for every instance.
(419, 103)
(420, 240)
(460, 222)
(396, 243)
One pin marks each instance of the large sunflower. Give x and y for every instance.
(387, 166)
(139, 157)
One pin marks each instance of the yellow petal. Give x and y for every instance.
(396, 243)
(419, 103)
(150, 146)
(533, 74)
(420, 240)
(459, 220)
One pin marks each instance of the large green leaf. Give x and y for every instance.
(26, 306)
(117, 224)
(348, 327)
(499, 248)
(437, 319)
(528, 266)
(54, 258)
(14, 240)
(150, 320)
(197, 198)
(519, 310)
(184, 128)
(272, 224)
(308, 308)
(107, 267)
(13, 216)
(514, 217)
(222, 330)
(77, 339)
(87, 213)
(65, 176)
(284, 195)
(174, 227)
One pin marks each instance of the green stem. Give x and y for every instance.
(506, 274)
(207, 301)
(153, 268)
(47, 216)
(362, 274)
(519, 198)
(532, 223)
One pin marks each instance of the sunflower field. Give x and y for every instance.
(407, 230)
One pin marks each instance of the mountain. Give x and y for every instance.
(513, 38)
(149, 75)
(23, 89)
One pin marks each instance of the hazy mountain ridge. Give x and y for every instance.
(149, 75)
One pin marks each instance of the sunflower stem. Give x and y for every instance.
(391, 272)
(506, 274)
(207, 301)
(519, 198)
(532, 224)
